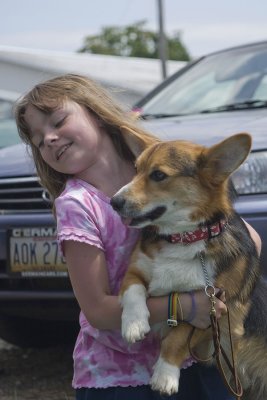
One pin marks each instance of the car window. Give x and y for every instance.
(8, 129)
(261, 91)
(217, 80)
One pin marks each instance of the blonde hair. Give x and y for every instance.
(49, 95)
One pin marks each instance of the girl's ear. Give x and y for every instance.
(136, 141)
(225, 157)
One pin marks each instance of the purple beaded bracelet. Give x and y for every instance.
(192, 313)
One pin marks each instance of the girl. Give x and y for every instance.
(75, 133)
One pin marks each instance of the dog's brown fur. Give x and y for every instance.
(196, 186)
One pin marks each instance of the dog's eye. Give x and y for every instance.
(158, 175)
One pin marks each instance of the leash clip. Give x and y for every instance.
(210, 292)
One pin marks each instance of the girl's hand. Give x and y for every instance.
(203, 306)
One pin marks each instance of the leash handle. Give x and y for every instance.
(218, 349)
(238, 392)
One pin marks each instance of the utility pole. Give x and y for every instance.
(162, 40)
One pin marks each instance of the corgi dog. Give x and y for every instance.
(181, 198)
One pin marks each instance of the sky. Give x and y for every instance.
(62, 25)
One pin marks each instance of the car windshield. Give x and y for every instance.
(235, 79)
(8, 129)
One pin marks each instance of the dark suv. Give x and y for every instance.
(37, 305)
(213, 97)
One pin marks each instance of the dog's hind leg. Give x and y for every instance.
(174, 351)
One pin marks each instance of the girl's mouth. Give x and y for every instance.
(62, 150)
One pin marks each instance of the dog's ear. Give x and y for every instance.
(225, 157)
(136, 141)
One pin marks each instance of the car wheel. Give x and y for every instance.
(27, 332)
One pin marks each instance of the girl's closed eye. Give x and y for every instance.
(60, 122)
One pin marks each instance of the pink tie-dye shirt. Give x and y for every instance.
(102, 358)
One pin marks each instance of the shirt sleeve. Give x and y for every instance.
(75, 222)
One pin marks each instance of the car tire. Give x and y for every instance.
(27, 332)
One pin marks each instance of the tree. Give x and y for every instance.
(133, 41)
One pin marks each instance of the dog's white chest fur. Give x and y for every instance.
(176, 268)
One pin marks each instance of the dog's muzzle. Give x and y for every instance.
(129, 212)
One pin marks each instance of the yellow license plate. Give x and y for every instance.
(34, 252)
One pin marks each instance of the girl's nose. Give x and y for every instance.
(50, 137)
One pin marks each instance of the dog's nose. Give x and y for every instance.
(117, 202)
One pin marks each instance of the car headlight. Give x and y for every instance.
(251, 177)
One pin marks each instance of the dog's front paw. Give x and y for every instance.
(165, 378)
(135, 314)
(134, 329)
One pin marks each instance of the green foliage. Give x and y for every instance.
(133, 41)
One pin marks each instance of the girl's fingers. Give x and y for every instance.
(220, 294)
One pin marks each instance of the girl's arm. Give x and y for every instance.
(89, 278)
(255, 237)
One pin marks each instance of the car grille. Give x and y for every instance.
(23, 194)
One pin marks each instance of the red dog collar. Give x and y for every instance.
(208, 231)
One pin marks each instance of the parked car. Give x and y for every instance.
(37, 305)
(211, 98)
